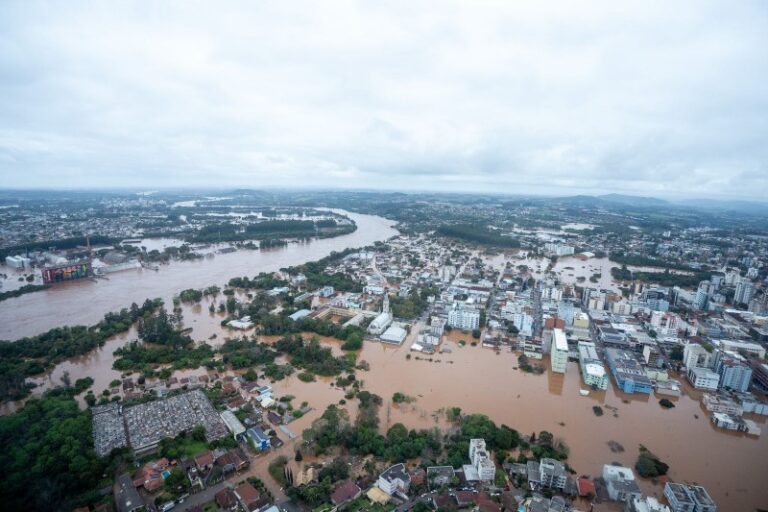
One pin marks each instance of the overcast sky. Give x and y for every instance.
(659, 98)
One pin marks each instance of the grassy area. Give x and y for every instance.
(363, 504)
(190, 447)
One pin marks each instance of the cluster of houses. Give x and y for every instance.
(538, 486)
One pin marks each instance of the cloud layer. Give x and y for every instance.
(658, 98)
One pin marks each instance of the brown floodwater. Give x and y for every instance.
(86, 301)
(733, 467)
(571, 270)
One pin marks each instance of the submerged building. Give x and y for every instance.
(627, 371)
(592, 370)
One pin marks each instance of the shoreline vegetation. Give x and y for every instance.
(34, 355)
(28, 288)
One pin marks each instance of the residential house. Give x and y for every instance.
(204, 461)
(226, 500)
(249, 497)
(126, 496)
(394, 480)
(345, 492)
(258, 439)
(233, 460)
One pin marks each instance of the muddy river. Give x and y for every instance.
(86, 302)
(733, 467)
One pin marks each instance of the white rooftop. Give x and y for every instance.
(561, 343)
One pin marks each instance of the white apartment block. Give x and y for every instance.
(465, 319)
(703, 378)
(481, 460)
(559, 354)
(696, 356)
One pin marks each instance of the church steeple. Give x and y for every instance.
(385, 304)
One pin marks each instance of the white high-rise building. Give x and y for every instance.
(696, 356)
(559, 354)
(744, 291)
(465, 319)
(556, 249)
(703, 294)
(481, 460)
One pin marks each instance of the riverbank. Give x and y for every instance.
(85, 302)
(480, 380)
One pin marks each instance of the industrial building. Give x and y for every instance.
(233, 424)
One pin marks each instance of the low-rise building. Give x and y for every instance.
(126, 496)
(345, 491)
(258, 439)
(721, 404)
(394, 480)
(547, 473)
(620, 483)
(249, 497)
(233, 424)
(645, 504)
(703, 378)
(394, 335)
(629, 375)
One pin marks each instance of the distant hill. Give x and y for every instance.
(610, 200)
(753, 207)
(634, 200)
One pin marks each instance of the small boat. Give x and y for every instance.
(584, 392)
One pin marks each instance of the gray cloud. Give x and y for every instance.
(655, 98)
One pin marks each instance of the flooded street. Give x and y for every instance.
(731, 466)
(85, 302)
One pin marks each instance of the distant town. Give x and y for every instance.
(472, 354)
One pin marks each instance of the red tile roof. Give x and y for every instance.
(586, 487)
(345, 491)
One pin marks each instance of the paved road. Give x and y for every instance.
(202, 497)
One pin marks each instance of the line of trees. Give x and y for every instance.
(33, 355)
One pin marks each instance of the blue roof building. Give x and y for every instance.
(629, 374)
(258, 438)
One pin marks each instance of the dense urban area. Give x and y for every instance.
(491, 353)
